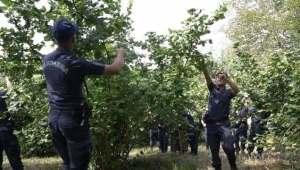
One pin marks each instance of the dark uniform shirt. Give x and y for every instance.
(219, 101)
(3, 106)
(64, 74)
(256, 125)
(243, 111)
(241, 126)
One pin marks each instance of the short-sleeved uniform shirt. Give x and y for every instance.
(219, 101)
(64, 74)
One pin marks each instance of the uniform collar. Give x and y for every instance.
(63, 50)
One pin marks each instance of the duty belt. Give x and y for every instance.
(69, 113)
(218, 120)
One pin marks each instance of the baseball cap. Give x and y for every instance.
(222, 73)
(63, 30)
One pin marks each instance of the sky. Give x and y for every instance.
(159, 16)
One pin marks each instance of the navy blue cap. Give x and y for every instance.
(63, 30)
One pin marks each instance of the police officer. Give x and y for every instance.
(9, 141)
(163, 137)
(159, 135)
(241, 130)
(179, 139)
(204, 127)
(257, 128)
(217, 118)
(153, 134)
(241, 126)
(64, 73)
(192, 131)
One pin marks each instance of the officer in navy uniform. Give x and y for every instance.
(163, 136)
(204, 128)
(217, 118)
(9, 141)
(193, 133)
(241, 130)
(69, 113)
(257, 128)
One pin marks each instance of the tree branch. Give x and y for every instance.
(32, 50)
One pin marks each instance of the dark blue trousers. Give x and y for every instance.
(252, 140)
(72, 140)
(240, 137)
(161, 138)
(193, 137)
(221, 133)
(10, 144)
(205, 138)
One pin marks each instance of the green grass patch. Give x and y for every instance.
(153, 160)
(146, 159)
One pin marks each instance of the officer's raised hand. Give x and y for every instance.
(222, 77)
(116, 66)
(121, 52)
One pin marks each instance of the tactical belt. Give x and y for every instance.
(218, 120)
(67, 113)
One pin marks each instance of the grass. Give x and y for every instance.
(154, 160)
(52, 163)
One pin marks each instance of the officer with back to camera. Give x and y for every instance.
(69, 113)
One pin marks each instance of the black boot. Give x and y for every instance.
(233, 166)
(218, 168)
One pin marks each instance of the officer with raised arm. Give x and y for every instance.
(217, 118)
(65, 73)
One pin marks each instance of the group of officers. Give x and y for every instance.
(219, 128)
(246, 128)
(245, 118)
(182, 134)
(64, 73)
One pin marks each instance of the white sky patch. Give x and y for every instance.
(157, 16)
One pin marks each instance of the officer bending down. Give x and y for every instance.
(9, 141)
(69, 113)
(217, 118)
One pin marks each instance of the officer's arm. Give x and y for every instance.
(8, 83)
(234, 87)
(116, 66)
(207, 77)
